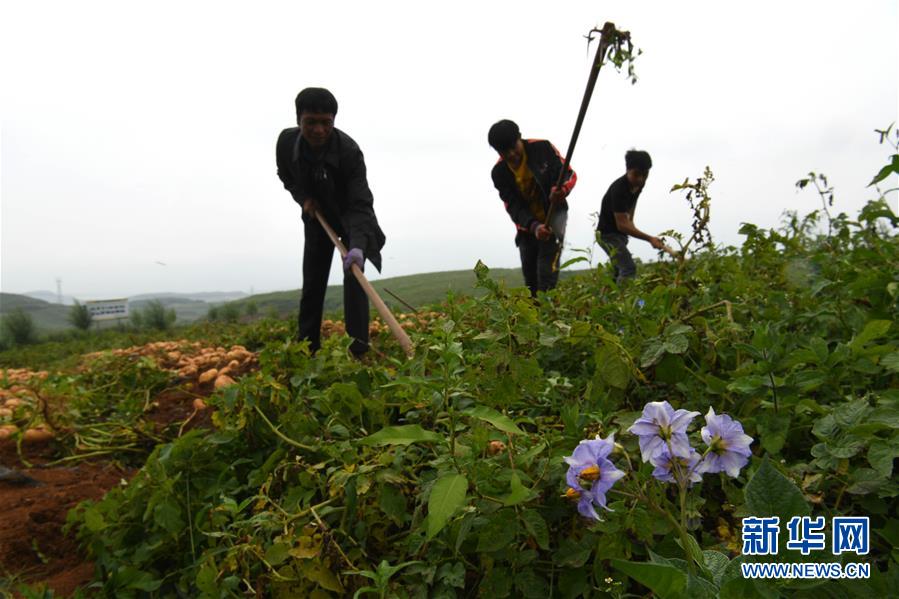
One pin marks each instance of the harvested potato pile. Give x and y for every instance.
(17, 401)
(12, 376)
(202, 366)
(409, 321)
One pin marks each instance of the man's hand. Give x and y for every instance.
(309, 207)
(556, 195)
(656, 243)
(543, 232)
(354, 256)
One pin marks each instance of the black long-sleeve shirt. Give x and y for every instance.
(336, 179)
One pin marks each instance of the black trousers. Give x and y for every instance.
(537, 263)
(615, 245)
(318, 252)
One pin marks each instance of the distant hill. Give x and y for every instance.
(418, 290)
(206, 296)
(46, 316)
(50, 297)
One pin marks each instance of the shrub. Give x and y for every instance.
(80, 316)
(18, 327)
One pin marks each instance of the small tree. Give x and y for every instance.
(18, 327)
(213, 314)
(155, 316)
(251, 308)
(80, 316)
(230, 312)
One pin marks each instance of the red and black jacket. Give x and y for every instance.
(545, 163)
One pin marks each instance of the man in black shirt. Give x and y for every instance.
(616, 217)
(525, 176)
(324, 171)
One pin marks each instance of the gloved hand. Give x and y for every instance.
(354, 256)
(556, 195)
(541, 231)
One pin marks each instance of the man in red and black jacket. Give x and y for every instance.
(525, 176)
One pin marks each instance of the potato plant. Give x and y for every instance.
(446, 475)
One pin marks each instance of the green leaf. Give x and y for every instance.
(393, 504)
(536, 527)
(93, 519)
(747, 384)
(500, 421)
(321, 574)
(664, 580)
(453, 574)
(886, 171)
(573, 554)
(497, 582)
(611, 369)
(881, 455)
(167, 515)
(773, 430)
(866, 480)
(770, 493)
(568, 263)
(401, 435)
(447, 495)
(277, 553)
(891, 361)
(518, 493)
(716, 563)
(875, 329)
(845, 446)
(499, 532)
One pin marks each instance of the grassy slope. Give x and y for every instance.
(46, 316)
(418, 290)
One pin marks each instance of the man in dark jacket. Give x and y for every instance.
(525, 177)
(324, 170)
(616, 217)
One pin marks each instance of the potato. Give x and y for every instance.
(223, 381)
(36, 435)
(208, 376)
(188, 371)
(12, 403)
(199, 404)
(5, 412)
(7, 431)
(494, 447)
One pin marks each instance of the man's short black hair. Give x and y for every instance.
(503, 135)
(315, 99)
(637, 159)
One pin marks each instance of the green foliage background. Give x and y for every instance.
(325, 474)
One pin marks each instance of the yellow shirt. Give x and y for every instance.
(524, 179)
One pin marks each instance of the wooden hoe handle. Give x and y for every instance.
(382, 308)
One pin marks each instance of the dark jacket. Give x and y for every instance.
(337, 182)
(545, 163)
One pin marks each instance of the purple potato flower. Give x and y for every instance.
(661, 426)
(590, 474)
(671, 469)
(728, 444)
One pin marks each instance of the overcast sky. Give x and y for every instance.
(135, 133)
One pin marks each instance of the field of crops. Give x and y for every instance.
(596, 442)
